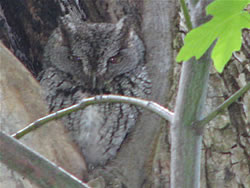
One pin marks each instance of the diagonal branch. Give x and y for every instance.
(149, 105)
(222, 107)
(35, 167)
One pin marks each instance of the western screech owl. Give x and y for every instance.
(85, 59)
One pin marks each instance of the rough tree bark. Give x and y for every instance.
(144, 159)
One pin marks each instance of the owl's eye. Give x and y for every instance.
(74, 58)
(113, 60)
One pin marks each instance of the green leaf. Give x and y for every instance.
(229, 19)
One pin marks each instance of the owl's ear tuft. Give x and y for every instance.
(67, 24)
(71, 21)
(126, 20)
(121, 22)
(123, 25)
(67, 29)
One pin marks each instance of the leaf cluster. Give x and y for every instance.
(229, 18)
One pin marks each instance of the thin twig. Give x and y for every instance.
(186, 15)
(149, 105)
(222, 107)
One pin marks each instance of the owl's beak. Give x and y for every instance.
(97, 83)
(93, 80)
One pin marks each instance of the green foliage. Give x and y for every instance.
(228, 20)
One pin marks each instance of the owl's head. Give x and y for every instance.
(96, 54)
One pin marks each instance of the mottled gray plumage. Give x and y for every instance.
(85, 59)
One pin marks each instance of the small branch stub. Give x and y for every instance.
(200, 124)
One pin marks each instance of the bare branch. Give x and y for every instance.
(222, 107)
(149, 105)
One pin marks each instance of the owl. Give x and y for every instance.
(86, 59)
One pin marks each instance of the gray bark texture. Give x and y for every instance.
(144, 158)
